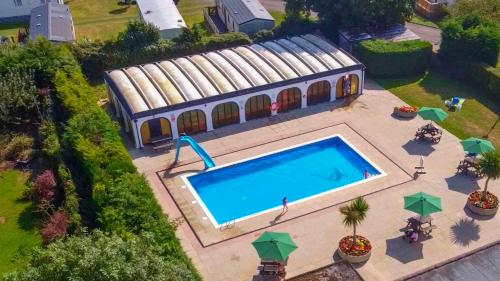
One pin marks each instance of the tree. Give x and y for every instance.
(137, 35)
(296, 8)
(468, 40)
(365, 14)
(101, 258)
(354, 214)
(55, 227)
(490, 166)
(486, 9)
(189, 37)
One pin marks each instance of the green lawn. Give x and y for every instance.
(423, 21)
(477, 117)
(10, 29)
(192, 10)
(100, 19)
(18, 233)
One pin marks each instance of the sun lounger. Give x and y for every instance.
(455, 103)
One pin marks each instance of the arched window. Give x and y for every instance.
(192, 122)
(225, 114)
(318, 92)
(257, 107)
(289, 99)
(347, 85)
(155, 128)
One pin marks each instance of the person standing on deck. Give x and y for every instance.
(285, 205)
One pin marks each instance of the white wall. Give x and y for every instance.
(207, 108)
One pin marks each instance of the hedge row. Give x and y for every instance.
(394, 59)
(486, 77)
(124, 201)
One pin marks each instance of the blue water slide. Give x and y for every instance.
(209, 163)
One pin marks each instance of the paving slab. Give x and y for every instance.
(368, 121)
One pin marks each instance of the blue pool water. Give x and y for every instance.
(256, 185)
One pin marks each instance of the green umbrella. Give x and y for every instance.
(275, 246)
(477, 145)
(422, 203)
(433, 114)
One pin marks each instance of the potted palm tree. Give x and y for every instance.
(483, 202)
(354, 248)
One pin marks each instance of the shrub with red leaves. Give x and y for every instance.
(55, 227)
(44, 187)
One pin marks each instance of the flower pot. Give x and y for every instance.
(355, 258)
(404, 114)
(479, 210)
(482, 211)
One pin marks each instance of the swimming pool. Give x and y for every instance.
(246, 188)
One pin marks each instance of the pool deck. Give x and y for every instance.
(316, 225)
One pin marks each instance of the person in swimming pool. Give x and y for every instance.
(285, 205)
(366, 174)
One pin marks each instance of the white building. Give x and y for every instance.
(164, 15)
(52, 21)
(19, 10)
(206, 91)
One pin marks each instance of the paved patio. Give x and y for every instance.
(316, 228)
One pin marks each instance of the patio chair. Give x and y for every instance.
(428, 229)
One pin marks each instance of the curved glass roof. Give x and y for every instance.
(291, 59)
(128, 91)
(279, 64)
(170, 82)
(212, 73)
(331, 49)
(151, 95)
(205, 86)
(306, 57)
(187, 89)
(263, 67)
(325, 58)
(229, 71)
(168, 90)
(247, 69)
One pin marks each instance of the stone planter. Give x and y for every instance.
(482, 211)
(354, 259)
(404, 114)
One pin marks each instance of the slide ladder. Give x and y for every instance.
(209, 163)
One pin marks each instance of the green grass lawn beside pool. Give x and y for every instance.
(18, 234)
(477, 116)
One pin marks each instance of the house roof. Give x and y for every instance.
(53, 21)
(161, 13)
(246, 10)
(170, 84)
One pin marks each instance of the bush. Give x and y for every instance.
(18, 148)
(55, 227)
(263, 35)
(125, 203)
(137, 35)
(50, 141)
(486, 77)
(44, 187)
(294, 26)
(469, 40)
(102, 258)
(394, 59)
(70, 204)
